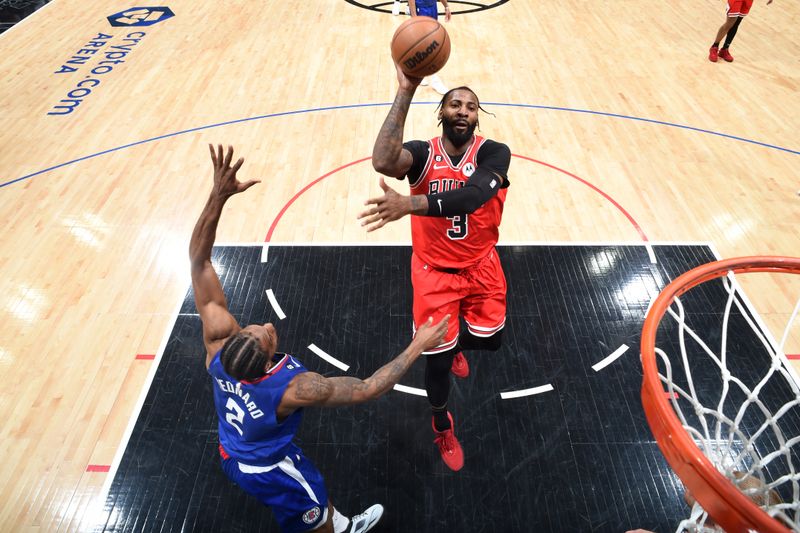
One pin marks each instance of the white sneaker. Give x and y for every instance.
(396, 8)
(361, 523)
(437, 85)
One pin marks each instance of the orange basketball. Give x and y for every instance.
(420, 46)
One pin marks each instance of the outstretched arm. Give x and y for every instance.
(482, 186)
(391, 206)
(388, 155)
(218, 323)
(310, 388)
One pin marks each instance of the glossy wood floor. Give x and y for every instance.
(98, 205)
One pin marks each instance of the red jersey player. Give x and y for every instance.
(737, 10)
(458, 185)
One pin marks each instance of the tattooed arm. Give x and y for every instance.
(310, 388)
(388, 155)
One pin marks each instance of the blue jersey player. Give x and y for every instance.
(428, 8)
(259, 392)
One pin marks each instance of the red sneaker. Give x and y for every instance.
(726, 55)
(713, 54)
(449, 447)
(460, 367)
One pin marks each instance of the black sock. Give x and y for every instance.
(437, 385)
(716, 44)
(732, 33)
(440, 419)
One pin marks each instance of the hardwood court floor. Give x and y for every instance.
(97, 221)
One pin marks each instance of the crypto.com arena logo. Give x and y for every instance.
(458, 7)
(141, 16)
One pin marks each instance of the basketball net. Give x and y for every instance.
(736, 453)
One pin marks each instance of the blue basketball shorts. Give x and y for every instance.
(293, 489)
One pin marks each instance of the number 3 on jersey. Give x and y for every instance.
(459, 228)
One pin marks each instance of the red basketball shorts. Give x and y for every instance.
(477, 293)
(739, 8)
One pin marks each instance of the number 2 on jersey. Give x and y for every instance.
(459, 227)
(232, 418)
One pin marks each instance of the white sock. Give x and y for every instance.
(340, 522)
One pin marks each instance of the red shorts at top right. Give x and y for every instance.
(739, 8)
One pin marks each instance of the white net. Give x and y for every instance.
(737, 397)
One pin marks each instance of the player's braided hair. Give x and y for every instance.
(242, 357)
(462, 88)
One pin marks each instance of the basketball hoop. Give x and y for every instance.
(715, 440)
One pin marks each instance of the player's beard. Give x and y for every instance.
(458, 139)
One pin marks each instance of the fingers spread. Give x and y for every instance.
(247, 185)
(379, 225)
(238, 165)
(373, 219)
(367, 213)
(376, 201)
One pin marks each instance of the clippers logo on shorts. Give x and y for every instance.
(140, 16)
(468, 169)
(311, 516)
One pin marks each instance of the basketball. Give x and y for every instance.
(420, 46)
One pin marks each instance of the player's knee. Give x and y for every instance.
(491, 343)
(494, 342)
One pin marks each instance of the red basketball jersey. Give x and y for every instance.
(458, 241)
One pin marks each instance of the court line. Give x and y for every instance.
(595, 189)
(616, 354)
(327, 357)
(303, 190)
(102, 495)
(526, 392)
(650, 121)
(602, 193)
(100, 499)
(385, 104)
(275, 305)
(410, 390)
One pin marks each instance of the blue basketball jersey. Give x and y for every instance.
(248, 429)
(428, 8)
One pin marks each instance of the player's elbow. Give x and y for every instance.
(383, 166)
(198, 265)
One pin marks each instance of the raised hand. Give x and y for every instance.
(430, 335)
(406, 82)
(225, 182)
